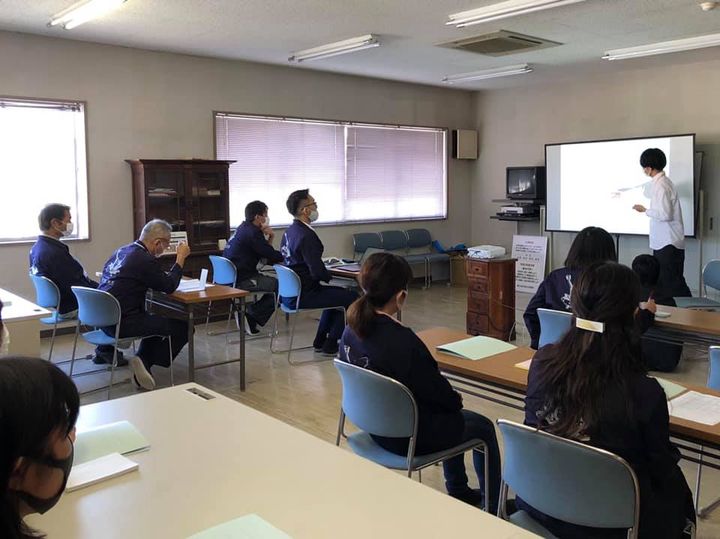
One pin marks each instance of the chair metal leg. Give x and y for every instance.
(52, 339)
(698, 478)
(419, 476)
(172, 378)
(112, 370)
(72, 358)
(274, 331)
(501, 512)
(292, 336)
(486, 477)
(341, 427)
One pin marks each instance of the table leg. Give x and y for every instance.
(191, 344)
(242, 345)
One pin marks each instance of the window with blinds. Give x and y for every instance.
(42, 151)
(356, 172)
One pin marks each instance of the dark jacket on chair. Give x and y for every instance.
(131, 271)
(302, 250)
(553, 293)
(247, 247)
(395, 351)
(642, 440)
(52, 259)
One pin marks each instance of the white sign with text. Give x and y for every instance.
(530, 252)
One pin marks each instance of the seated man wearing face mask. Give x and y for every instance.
(302, 250)
(251, 243)
(51, 258)
(128, 274)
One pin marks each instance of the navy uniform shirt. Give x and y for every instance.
(553, 293)
(247, 247)
(302, 250)
(52, 259)
(131, 271)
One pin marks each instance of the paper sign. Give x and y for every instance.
(530, 252)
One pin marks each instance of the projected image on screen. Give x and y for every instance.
(597, 183)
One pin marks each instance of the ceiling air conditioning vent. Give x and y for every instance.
(500, 43)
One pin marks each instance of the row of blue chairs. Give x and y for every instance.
(404, 243)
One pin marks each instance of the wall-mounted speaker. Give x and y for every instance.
(464, 144)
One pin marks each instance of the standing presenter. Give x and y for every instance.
(667, 233)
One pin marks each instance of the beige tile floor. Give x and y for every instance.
(308, 396)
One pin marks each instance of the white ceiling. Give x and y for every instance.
(269, 30)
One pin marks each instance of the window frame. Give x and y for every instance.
(445, 130)
(49, 100)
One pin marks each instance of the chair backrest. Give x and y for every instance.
(224, 271)
(568, 480)
(96, 307)
(393, 240)
(553, 325)
(289, 285)
(364, 240)
(711, 274)
(418, 237)
(713, 381)
(47, 294)
(375, 403)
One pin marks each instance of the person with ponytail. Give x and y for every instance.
(375, 340)
(39, 405)
(592, 387)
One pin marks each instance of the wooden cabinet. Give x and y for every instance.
(191, 195)
(491, 297)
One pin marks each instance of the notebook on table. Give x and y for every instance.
(120, 437)
(100, 469)
(246, 527)
(476, 348)
(355, 266)
(194, 285)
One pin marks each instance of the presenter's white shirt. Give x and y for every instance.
(666, 222)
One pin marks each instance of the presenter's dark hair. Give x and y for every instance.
(256, 207)
(36, 400)
(647, 268)
(381, 277)
(588, 373)
(295, 200)
(592, 244)
(50, 212)
(653, 158)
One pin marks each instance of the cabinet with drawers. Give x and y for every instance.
(491, 297)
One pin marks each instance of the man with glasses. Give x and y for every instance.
(128, 274)
(302, 250)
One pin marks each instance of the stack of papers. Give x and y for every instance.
(121, 437)
(697, 407)
(476, 348)
(247, 527)
(100, 469)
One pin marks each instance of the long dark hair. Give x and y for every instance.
(382, 276)
(592, 244)
(585, 367)
(36, 399)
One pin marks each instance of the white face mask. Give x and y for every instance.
(5, 346)
(313, 216)
(68, 230)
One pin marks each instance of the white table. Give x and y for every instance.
(214, 460)
(21, 317)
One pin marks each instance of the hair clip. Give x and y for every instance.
(589, 325)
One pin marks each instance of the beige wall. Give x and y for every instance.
(143, 104)
(515, 125)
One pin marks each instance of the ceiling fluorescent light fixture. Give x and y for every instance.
(333, 49)
(84, 11)
(678, 45)
(502, 10)
(489, 73)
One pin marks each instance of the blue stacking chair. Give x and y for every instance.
(566, 480)
(553, 325)
(47, 296)
(97, 308)
(289, 286)
(420, 238)
(711, 278)
(362, 241)
(382, 406)
(713, 382)
(394, 240)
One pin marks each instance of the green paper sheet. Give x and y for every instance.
(246, 527)
(476, 348)
(671, 389)
(120, 437)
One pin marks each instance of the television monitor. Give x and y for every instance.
(597, 183)
(525, 183)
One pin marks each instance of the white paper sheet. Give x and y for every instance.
(101, 469)
(697, 407)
